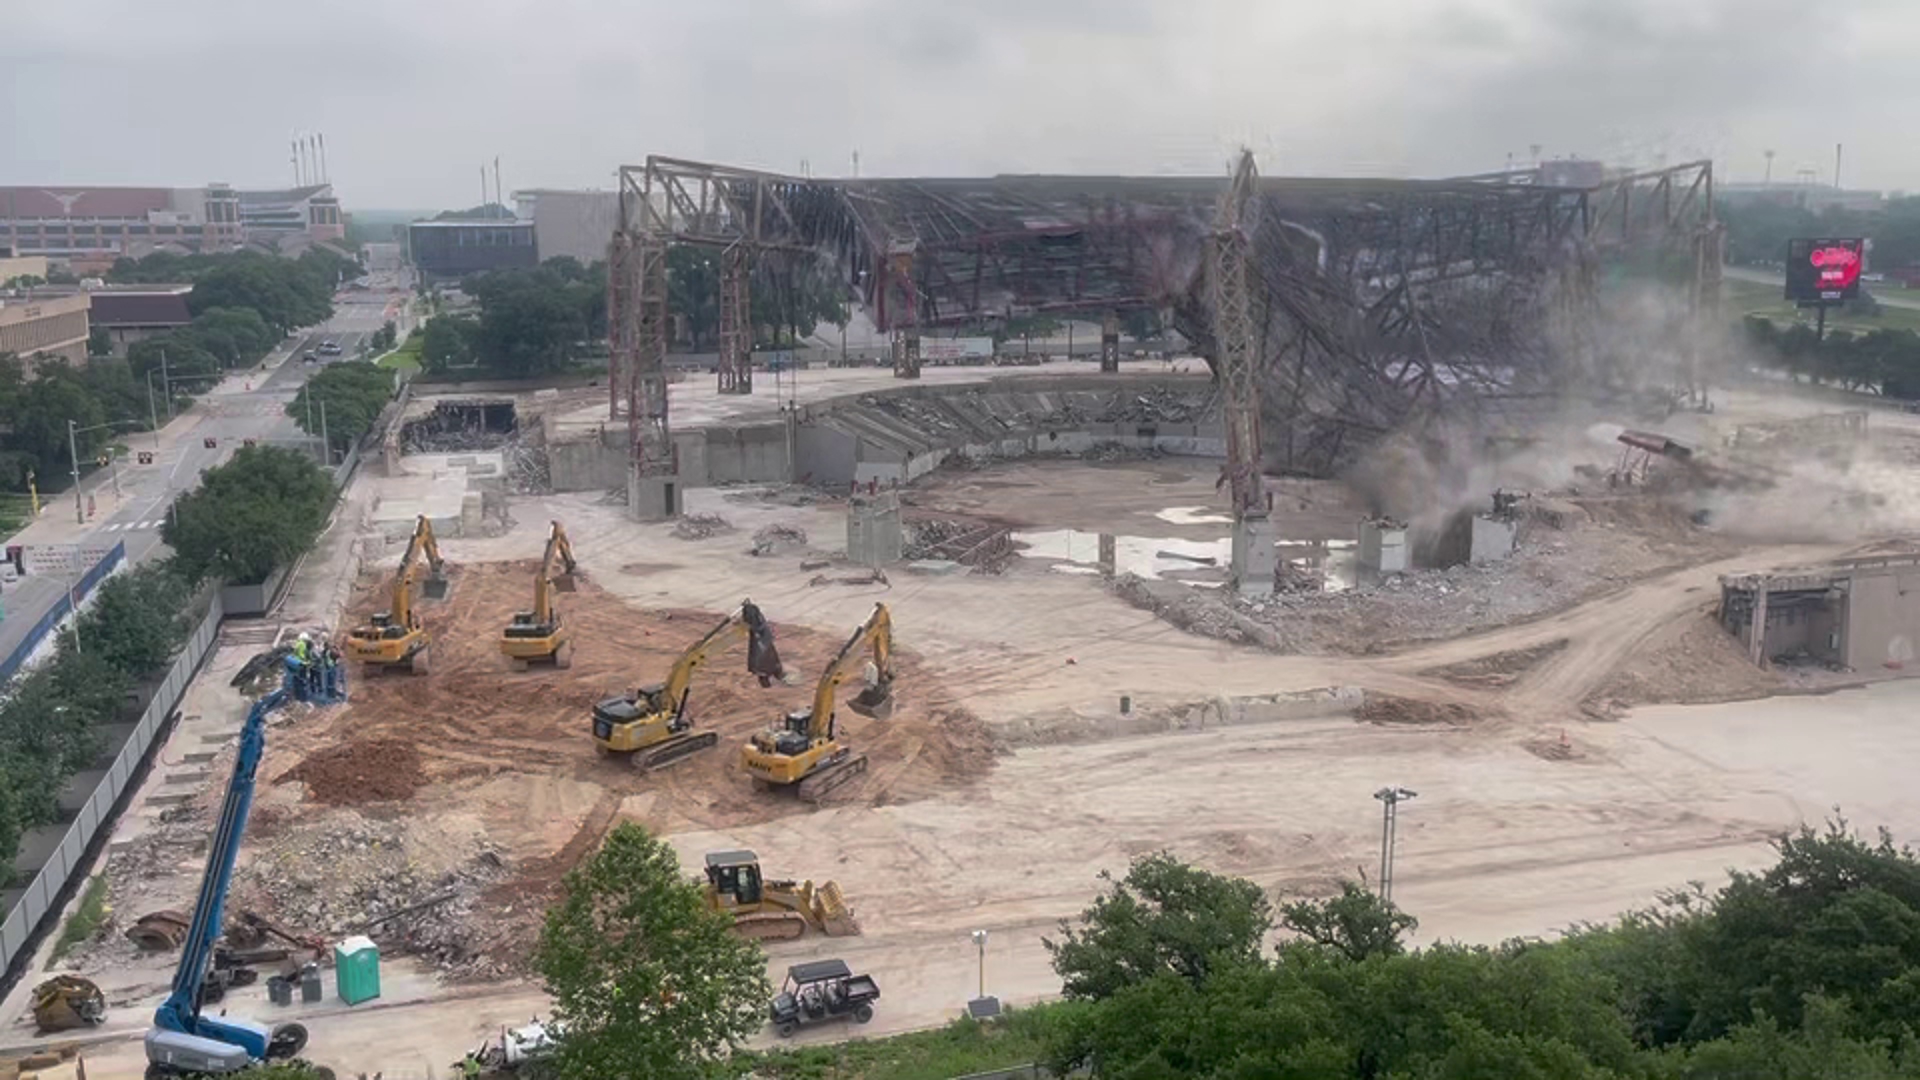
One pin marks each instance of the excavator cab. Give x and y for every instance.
(794, 738)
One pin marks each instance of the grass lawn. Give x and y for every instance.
(87, 919)
(406, 357)
(958, 1049)
(1753, 298)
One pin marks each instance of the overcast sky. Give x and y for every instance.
(413, 94)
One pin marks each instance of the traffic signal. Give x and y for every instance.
(102, 460)
(246, 442)
(146, 457)
(210, 442)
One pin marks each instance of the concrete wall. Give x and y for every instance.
(1883, 618)
(750, 453)
(241, 601)
(587, 465)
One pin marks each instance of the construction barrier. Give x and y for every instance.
(82, 588)
(43, 893)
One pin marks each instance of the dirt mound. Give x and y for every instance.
(1693, 660)
(1498, 669)
(1393, 709)
(357, 773)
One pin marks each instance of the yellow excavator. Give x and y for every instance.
(803, 754)
(765, 910)
(396, 638)
(654, 717)
(537, 636)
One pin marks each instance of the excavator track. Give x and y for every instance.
(770, 925)
(822, 781)
(677, 749)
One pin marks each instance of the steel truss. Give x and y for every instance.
(1375, 299)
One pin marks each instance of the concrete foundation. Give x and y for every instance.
(653, 498)
(874, 535)
(1383, 547)
(1493, 538)
(1254, 556)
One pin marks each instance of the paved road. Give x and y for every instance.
(243, 407)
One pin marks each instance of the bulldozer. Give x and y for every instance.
(774, 910)
(804, 754)
(538, 636)
(396, 638)
(654, 717)
(66, 1002)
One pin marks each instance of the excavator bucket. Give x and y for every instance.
(434, 587)
(564, 583)
(875, 701)
(763, 659)
(830, 910)
(159, 930)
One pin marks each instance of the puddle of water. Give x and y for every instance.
(1193, 515)
(1140, 555)
(1075, 552)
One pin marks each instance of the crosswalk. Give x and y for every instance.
(132, 526)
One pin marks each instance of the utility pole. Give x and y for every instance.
(153, 412)
(73, 447)
(1390, 800)
(326, 446)
(166, 388)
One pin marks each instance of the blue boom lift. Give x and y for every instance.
(182, 1040)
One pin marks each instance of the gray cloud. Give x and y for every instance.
(413, 96)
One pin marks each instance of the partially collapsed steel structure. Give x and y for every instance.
(1372, 301)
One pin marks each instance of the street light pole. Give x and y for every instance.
(980, 940)
(326, 447)
(166, 387)
(153, 413)
(1390, 800)
(73, 447)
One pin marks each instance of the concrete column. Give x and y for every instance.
(1757, 629)
(874, 534)
(1110, 343)
(1108, 559)
(1254, 557)
(652, 497)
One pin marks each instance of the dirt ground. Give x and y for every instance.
(511, 751)
(1513, 700)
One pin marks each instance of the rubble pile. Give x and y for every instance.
(1115, 451)
(1156, 404)
(452, 429)
(700, 526)
(984, 548)
(527, 467)
(775, 539)
(354, 875)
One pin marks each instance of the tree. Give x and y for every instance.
(176, 354)
(236, 336)
(448, 342)
(528, 331)
(1164, 916)
(261, 510)
(1356, 924)
(646, 980)
(134, 622)
(347, 396)
(99, 342)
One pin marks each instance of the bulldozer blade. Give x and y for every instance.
(874, 701)
(677, 750)
(434, 587)
(831, 910)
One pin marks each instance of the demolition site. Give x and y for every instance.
(1409, 501)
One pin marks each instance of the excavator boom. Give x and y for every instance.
(395, 637)
(805, 754)
(537, 634)
(653, 718)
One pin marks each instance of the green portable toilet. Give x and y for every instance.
(356, 969)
